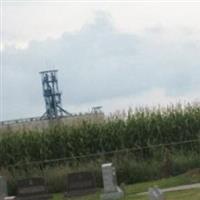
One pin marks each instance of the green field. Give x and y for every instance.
(191, 194)
(142, 127)
(144, 144)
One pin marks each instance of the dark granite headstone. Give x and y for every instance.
(32, 189)
(80, 183)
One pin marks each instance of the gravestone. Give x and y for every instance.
(155, 194)
(80, 183)
(111, 190)
(3, 188)
(32, 189)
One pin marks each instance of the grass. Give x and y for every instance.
(190, 194)
(131, 191)
(193, 194)
(89, 197)
(190, 177)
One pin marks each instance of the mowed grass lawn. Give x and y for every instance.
(132, 191)
(191, 194)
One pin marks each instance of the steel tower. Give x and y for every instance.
(52, 95)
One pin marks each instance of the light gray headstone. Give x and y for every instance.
(111, 189)
(109, 177)
(3, 188)
(155, 194)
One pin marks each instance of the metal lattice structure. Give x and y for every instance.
(97, 109)
(52, 95)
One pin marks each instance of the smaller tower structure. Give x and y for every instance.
(52, 95)
(97, 109)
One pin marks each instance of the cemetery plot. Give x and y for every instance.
(32, 189)
(80, 183)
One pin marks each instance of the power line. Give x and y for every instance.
(125, 150)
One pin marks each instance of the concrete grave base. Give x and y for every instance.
(118, 194)
(10, 198)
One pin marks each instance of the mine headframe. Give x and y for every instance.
(52, 96)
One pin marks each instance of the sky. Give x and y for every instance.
(117, 54)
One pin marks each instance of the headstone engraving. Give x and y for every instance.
(111, 189)
(3, 188)
(155, 194)
(32, 189)
(80, 183)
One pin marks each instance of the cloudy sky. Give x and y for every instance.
(117, 54)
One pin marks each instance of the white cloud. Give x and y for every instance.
(99, 61)
(34, 20)
(151, 98)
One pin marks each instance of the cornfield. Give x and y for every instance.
(138, 128)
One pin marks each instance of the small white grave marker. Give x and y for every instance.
(155, 194)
